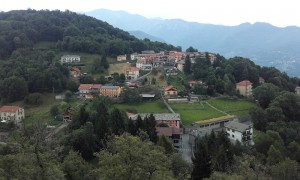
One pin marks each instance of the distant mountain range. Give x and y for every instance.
(263, 43)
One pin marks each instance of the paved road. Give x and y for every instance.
(185, 149)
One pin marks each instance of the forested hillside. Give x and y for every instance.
(26, 67)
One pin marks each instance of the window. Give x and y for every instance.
(232, 135)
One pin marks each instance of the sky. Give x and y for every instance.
(280, 13)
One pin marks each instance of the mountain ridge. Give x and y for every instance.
(262, 42)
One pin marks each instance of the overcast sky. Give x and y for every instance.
(226, 12)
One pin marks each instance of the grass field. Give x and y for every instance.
(118, 67)
(195, 112)
(234, 107)
(41, 113)
(147, 107)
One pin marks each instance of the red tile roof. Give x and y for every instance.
(244, 83)
(9, 108)
(168, 88)
(89, 86)
(75, 69)
(132, 69)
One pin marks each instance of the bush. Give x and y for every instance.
(34, 99)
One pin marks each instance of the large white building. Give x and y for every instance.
(239, 132)
(70, 59)
(12, 113)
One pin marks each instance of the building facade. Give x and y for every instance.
(244, 88)
(12, 113)
(110, 91)
(132, 72)
(237, 131)
(170, 91)
(70, 59)
(88, 88)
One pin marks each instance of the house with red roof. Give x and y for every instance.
(12, 113)
(170, 91)
(244, 88)
(75, 72)
(132, 72)
(88, 88)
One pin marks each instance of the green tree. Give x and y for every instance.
(259, 118)
(130, 158)
(164, 142)
(265, 93)
(274, 156)
(104, 63)
(117, 124)
(202, 165)
(187, 65)
(285, 170)
(54, 110)
(75, 167)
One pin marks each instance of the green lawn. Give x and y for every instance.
(233, 107)
(146, 107)
(195, 112)
(41, 114)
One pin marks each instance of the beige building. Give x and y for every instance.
(244, 88)
(180, 65)
(110, 91)
(12, 113)
(121, 58)
(170, 91)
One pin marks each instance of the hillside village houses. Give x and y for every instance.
(121, 58)
(132, 72)
(149, 59)
(75, 72)
(170, 91)
(12, 113)
(244, 88)
(87, 90)
(297, 90)
(69, 59)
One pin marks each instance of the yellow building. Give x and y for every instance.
(244, 88)
(110, 91)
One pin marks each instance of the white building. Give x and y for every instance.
(12, 113)
(70, 59)
(239, 131)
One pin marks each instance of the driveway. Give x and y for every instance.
(185, 149)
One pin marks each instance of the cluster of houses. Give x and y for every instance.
(236, 130)
(12, 114)
(147, 60)
(88, 90)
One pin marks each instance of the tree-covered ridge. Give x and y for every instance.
(71, 31)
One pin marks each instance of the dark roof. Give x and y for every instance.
(240, 127)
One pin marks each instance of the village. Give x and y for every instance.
(170, 122)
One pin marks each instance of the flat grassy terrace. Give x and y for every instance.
(233, 107)
(146, 107)
(195, 112)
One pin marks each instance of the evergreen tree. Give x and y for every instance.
(187, 65)
(104, 62)
(202, 167)
(117, 124)
(150, 127)
(139, 123)
(131, 127)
